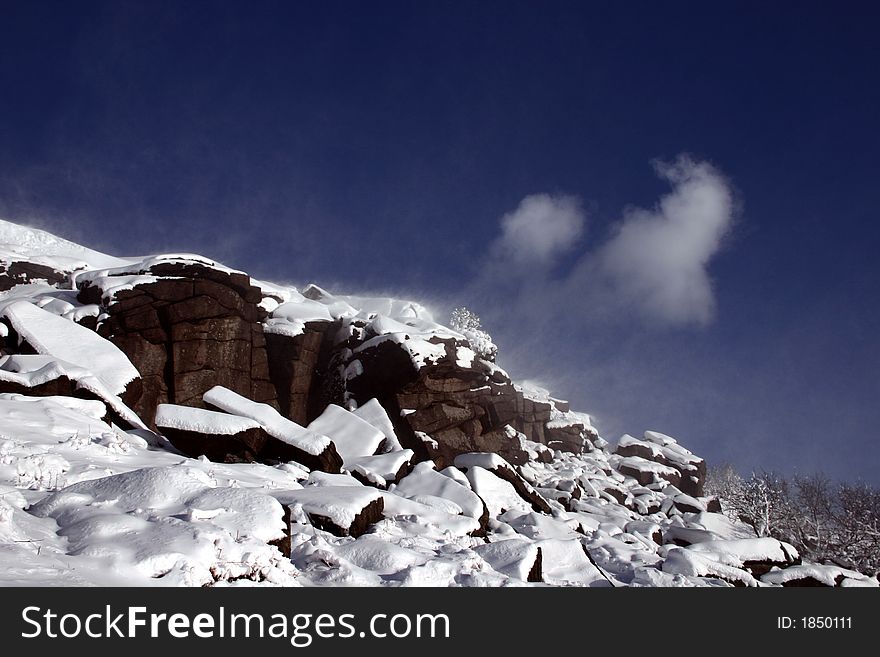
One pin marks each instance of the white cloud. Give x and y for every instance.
(653, 266)
(542, 228)
(656, 261)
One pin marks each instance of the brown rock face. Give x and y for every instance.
(188, 333)
(295, 368)
(461, 408)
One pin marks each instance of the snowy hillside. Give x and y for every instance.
(166, 420)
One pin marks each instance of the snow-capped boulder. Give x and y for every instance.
(22, 272)
(473, 463)
(340, 510)
(812, 575)
(680, 467)
(514, 557)
(288, 440)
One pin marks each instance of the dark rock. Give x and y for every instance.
(292, 367)
(571, 438)
(810, 582)
(686, 507)
(617, 493)
(244, 446)
(62, 386)
(536, 573)
(461, 408)
(21, 272)
(284, 543)
(248, 446)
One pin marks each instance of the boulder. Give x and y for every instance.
(339, 510)
(681, 468)
(187, 327)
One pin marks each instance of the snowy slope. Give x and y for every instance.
(84, 501)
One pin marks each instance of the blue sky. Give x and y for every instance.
(509, 156)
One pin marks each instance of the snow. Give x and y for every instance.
(684, 561)
(465, 357)
(424, 480)
(290, 318)
(381, 468)
(513, 557)
(170, 523)
(826, 574)
(353, 436)
(499, 495)
(740, 551)
(341, 504)
(55, 336)
(565, 563)
(689, 535)
(318, 478)
(379, 556)
(35, 245)
(644, 465)
(373, 413)
(269, 419)
(722, 526)
(406, 511)
(30, 370)
(199, 420)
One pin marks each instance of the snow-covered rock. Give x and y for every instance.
(326, 439)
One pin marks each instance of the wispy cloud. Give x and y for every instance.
(541, 229)
(653, 266)
(656, 262)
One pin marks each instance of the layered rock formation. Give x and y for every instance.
(187, 326)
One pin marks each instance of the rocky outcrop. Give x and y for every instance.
(464, 405)
(17, 272)
(188, 328)
(189, 325)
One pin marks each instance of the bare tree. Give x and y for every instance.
(825, 522)
(813, 523)
(468, 324)
(725, 483)
(857, 519)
